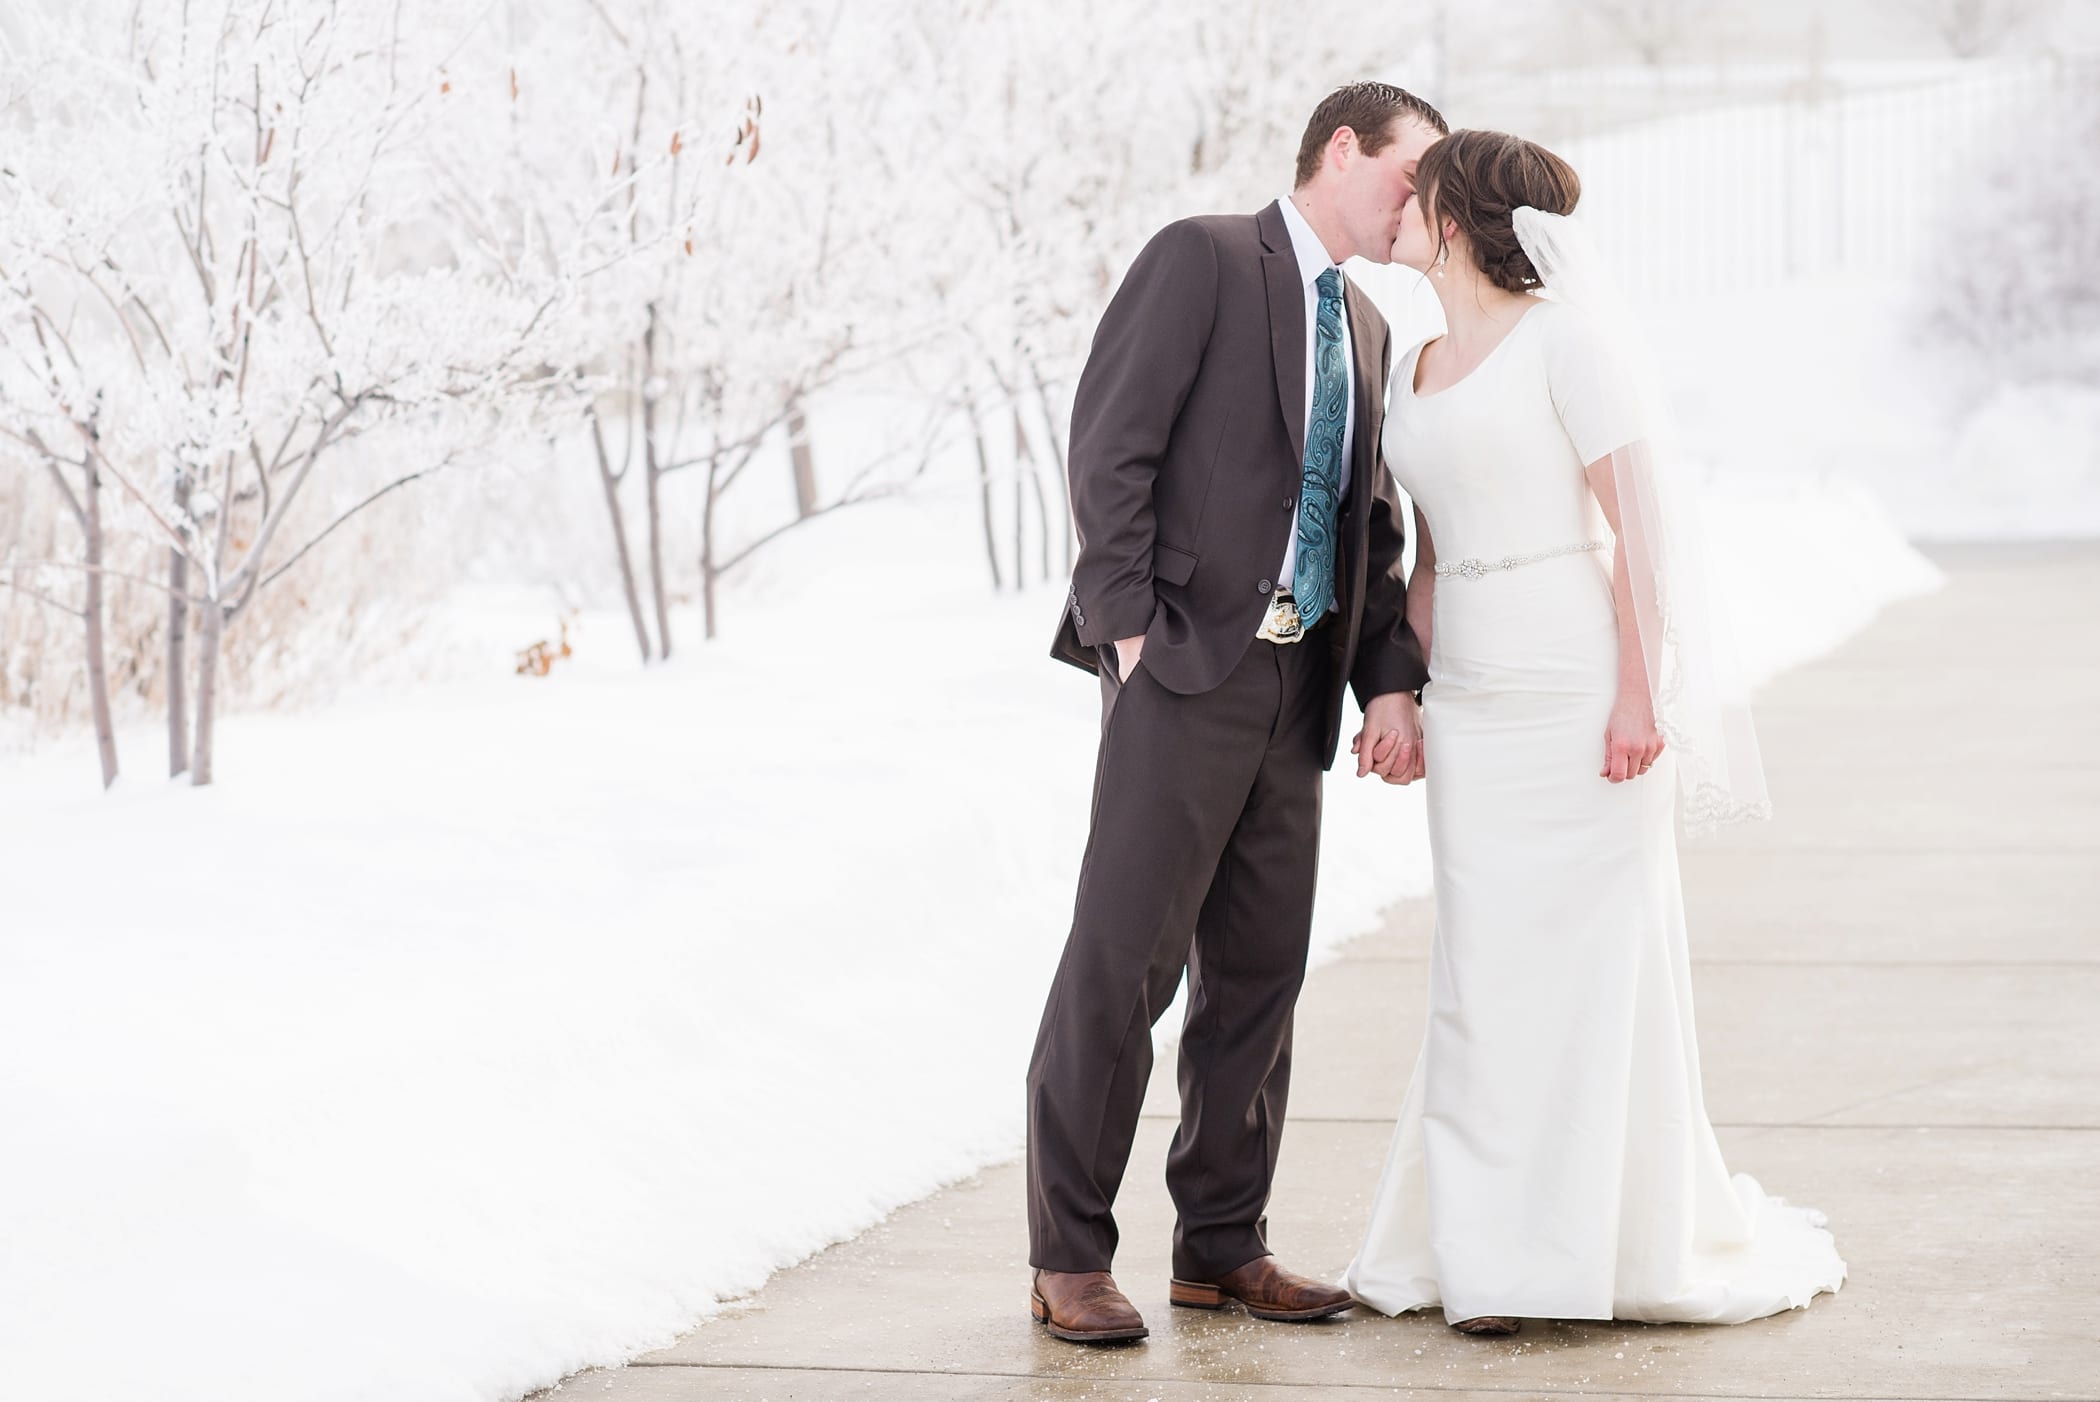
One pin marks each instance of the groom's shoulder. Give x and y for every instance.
(1223, 235)
(1197, 258)
(1225, 227)
(1228, 233)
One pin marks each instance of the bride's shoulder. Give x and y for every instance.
(1555, 317)
(1559, 320)
(1567, 333)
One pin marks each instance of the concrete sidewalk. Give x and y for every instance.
(1898, 983)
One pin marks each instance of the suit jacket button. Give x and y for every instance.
(1262, 587)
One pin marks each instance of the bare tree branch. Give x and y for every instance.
(44, 598)
(107, 573)
(753, 546)
(330, 527)
(51, 461)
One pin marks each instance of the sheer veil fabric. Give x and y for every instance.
(1702, 703)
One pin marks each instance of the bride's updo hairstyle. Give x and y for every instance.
(1475, 178)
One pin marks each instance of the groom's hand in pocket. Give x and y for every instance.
(1128, 651)
(1390, 744)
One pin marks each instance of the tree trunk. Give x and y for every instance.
(804, 459)
(984, 490)
(207, 690)
(654, 482)
(1057, 455)
(707, 545)
(651, 466)
(1025, 462)
(621, 554)
(177, 669)
(1020, 538)
(97, 667)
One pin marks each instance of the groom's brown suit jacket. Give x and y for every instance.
(1188, 439)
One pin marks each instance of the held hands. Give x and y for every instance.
(1631, 741)
(1390, 744)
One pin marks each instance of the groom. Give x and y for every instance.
(1239, 562)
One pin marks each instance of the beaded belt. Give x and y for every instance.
(1474, 568)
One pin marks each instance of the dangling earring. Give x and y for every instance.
(1443, 256)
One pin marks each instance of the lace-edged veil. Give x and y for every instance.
(1702, 703)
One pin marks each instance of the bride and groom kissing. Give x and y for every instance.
(1239, 437)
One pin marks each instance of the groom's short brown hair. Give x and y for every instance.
(1369, 110)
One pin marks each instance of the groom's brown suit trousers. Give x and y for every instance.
(1187, 452)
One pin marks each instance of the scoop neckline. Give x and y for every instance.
(1493, 351)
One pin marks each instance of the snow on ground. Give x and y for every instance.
(457, 1039)
(468, 1033)
(460, 1038)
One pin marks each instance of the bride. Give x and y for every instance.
(1553, 1157)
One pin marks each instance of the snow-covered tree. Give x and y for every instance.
(764, 233)
(1657, 32)
(1047, 168)
(2012, 290)
(265, 266)
(1975, 28)
(227, 301)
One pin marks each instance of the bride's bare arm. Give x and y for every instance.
(1632, 741)
(1633, 671)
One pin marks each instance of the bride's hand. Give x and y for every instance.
(1390, 744)
(1631, 741)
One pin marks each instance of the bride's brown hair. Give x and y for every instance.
(1475, 178)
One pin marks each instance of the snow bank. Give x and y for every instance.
(1835, 381)
(464, 1036)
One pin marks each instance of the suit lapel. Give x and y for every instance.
(1363, 451)
(1287, 343)
(1370, 395)
(1279, 272)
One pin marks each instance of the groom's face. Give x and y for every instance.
(1380, 186)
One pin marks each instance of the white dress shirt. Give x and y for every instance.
(1312, 261)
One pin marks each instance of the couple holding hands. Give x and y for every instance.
(1549, 668)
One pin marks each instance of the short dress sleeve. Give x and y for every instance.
(1592, 391)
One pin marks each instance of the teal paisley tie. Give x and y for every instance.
(1320, 501)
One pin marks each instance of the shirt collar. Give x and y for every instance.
(1312, 254)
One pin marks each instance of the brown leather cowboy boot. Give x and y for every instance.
(1084, 1307)
(1267, 1290)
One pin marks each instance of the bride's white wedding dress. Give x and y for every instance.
(1553, 1157)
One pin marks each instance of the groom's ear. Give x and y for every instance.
(1345, 143)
